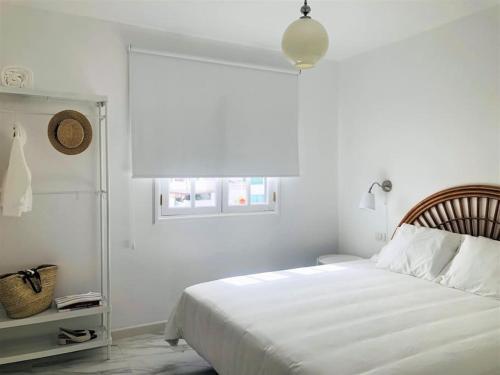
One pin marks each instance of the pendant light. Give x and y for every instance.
(305, 40)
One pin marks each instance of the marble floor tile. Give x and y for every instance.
(140, 355)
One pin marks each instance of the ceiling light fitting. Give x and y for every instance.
(305, 40)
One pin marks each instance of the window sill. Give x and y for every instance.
(210, 216)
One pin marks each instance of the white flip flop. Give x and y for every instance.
(67, 336)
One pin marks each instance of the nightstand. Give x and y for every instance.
(336, 258)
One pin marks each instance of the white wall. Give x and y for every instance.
(423, 112)
(78, 54)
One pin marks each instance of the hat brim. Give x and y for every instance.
(82, 120)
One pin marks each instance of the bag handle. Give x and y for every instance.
(33, 277)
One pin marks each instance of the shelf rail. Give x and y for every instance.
(68, 192)
(35, 113)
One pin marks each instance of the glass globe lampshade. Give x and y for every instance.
(305, 41)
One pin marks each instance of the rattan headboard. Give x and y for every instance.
(469, 209)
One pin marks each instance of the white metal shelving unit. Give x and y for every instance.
(46, 345)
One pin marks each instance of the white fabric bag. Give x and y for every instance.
(16, 197)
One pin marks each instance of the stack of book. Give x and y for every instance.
(79, 301)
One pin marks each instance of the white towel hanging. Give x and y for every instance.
(16, 195)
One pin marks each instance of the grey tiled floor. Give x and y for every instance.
(145, 354)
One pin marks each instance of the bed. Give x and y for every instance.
(351, 318)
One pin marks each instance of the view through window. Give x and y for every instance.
(191, 196)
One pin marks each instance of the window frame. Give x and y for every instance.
(271, 195)
(221, 209)
(166, 211)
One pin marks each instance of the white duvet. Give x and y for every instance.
(347, 318)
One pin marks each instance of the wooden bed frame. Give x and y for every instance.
(469, 209)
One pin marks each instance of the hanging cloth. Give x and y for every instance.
(16, 195)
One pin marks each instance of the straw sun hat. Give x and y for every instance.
(70, 132)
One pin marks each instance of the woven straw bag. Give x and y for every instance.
(28, 292)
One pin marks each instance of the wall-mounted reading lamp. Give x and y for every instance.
(368, 199)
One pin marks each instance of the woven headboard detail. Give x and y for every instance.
(469, 209)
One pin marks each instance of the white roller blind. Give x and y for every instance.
(193, 118)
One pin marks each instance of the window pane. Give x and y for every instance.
(205, 192)
(179, 193)
(258, 190)
(237, 192)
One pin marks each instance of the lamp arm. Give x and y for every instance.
(372, 185)
(385, 186)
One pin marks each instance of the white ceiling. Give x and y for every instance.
(354, 26)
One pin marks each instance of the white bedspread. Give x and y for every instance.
(348, 318)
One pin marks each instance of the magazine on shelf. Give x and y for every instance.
(79, 301)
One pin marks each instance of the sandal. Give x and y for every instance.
(67, 336)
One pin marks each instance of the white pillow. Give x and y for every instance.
(418, 251)
(476, 268)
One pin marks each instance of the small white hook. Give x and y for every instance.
(15, 130)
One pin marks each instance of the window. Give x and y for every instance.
(198, 196)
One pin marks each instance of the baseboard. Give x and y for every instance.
(141, 329)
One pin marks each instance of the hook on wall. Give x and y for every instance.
(17, 130)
